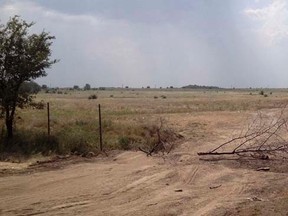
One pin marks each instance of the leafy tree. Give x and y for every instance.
(23, 57)
(76, 87)
(30, 87)
(87, 87)
(44, 87)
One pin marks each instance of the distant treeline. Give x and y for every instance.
(199, 87)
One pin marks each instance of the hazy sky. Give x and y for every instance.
(239, 43)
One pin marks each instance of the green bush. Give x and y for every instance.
(80, 138)
(124, 143)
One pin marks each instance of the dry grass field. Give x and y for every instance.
(129, 182)
(126, 112)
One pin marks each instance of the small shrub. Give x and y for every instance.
(92, 97)
(38, 105)
(46, 144)
(265, 95)
(124, 143)
(261, 92)
(163, 96)
(76, 139)
(111, 96)
(27, 142)
(81, 123)
(107, 124)
(155, 97)
(81, 147)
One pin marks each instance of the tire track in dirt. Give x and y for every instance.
(129, 185)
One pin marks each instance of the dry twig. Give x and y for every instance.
(165, 140)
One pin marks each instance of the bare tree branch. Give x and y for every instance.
(265, 136)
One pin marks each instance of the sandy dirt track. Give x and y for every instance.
(132, 184)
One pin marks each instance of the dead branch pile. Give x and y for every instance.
(165, 139)
(264, 137)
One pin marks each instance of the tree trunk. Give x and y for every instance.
(9, 127)
(9, 121)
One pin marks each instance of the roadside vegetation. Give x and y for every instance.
(129, 119)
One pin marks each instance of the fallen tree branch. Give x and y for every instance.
(280, 148)
(146, 152)
(260, 137)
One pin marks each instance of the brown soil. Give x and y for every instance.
(130, 183)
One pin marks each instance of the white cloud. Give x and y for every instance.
(273, 19)
(88, 19)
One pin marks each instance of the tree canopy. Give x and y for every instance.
(24, 56)
(87, 87)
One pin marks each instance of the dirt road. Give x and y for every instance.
(132, 184)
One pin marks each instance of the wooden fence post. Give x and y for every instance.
(100, 128)
(48, 116)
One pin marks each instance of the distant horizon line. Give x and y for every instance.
(192, 86)
(169, 87)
